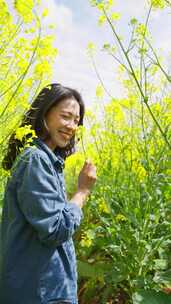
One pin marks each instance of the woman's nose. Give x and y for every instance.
(72, 125)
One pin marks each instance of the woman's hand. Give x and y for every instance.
(86, 180)
(87, 177)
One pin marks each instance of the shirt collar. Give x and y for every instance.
(56, 159)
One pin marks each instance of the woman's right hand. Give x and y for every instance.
(87, 177)
(86, 180)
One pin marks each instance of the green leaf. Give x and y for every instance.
(161, 263)
(133, 21)
(106, 46)
(163, 277)
(151, 297)
(99, 270)
(92, 270)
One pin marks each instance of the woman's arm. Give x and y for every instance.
(40, 200)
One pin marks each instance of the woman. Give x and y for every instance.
(38, 263)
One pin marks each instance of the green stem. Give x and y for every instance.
(82, 144)
(5, 45)
(125, 54)
(145, 98)
(157, 61)
(168, 2)
(25, 72)
(143, 68)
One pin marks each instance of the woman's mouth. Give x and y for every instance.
(65, 134)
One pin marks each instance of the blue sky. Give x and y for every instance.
(76, 26)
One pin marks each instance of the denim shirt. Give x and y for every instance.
(38, 264)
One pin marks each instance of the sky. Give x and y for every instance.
(76, 26)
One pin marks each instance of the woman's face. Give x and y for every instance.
(62, 121)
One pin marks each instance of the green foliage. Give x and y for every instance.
(124, 243)
(151, 297)
(127, 218)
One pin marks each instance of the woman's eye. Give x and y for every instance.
(76, 122)
(65, 117)
(68, 118)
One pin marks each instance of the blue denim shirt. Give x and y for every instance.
(38, 263)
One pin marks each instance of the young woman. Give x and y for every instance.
(38, 264)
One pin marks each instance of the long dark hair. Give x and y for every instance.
(35, 116)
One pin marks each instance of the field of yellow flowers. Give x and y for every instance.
(124, 244)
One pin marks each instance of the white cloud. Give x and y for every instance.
(72, 67)
(133, 8)
(73, 32)
(59, 15)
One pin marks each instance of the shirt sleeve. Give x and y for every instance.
(39, 197)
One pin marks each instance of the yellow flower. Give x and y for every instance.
(115, 16)
(120, 218)
(23, 131)
(80, 131)
(100, 6)
(45, 12)
(86, 242)
(102, 206)
(158, 3)
(24, 9)
(87, 238)
(99, 91)
(139, 170)
(110, 2)
(107, 4)
(43, 67)
(101, 19)
(91, 48)
(141, 29)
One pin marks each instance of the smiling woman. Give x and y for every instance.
(45, 110)
(38, 263)
(62, 121)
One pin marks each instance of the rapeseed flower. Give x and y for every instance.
(87, 238)
(23, 131)
(102, 206)
(120, 218)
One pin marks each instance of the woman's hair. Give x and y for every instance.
(50, 96)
